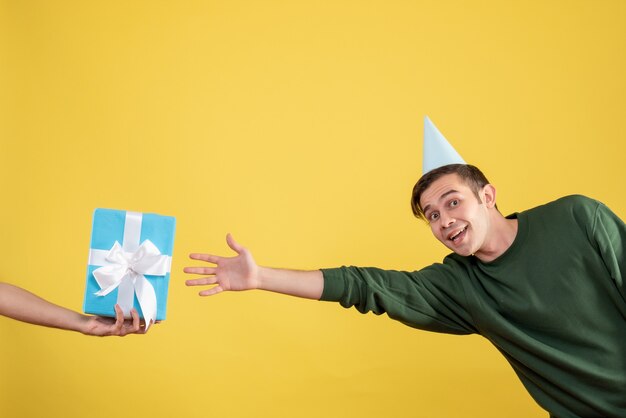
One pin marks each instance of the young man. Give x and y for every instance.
(22, 305)
(546, 286)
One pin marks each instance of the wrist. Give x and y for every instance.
(81, 323)
(263, 278)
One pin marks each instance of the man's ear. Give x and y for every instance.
(489, 196)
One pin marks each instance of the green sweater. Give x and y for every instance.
(554, 304)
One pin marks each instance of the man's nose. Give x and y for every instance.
(446, 220)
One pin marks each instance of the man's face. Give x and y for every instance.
(456, 217)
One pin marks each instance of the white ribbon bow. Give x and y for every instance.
(126, 270)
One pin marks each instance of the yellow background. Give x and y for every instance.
(296, 126)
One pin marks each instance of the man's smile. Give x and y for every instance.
(457, 235)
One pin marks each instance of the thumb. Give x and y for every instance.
(233, 244)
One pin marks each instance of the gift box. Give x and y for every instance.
(130, 260)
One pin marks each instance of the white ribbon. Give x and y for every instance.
(124, 267)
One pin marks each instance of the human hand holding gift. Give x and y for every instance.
(25, 306)
(102, 326)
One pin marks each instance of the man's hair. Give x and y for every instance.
(471, 176)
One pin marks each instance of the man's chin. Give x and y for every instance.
(459, 250)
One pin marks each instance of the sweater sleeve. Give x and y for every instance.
(609, 232)
(425, 299)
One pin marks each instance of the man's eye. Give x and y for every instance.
(433, 216)
(454, 203)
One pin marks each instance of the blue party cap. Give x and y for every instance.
(437, 150)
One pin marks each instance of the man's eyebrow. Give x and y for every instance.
(440, 198)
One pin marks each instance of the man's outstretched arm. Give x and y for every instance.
(242, 273)
(24, 306)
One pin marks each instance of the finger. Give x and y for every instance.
(200, 270)
(201, 282)
(135, 315)
(212, 291)
(233, 244)
(205, 257)
(119, 318)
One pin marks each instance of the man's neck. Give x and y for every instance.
(504, 233)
